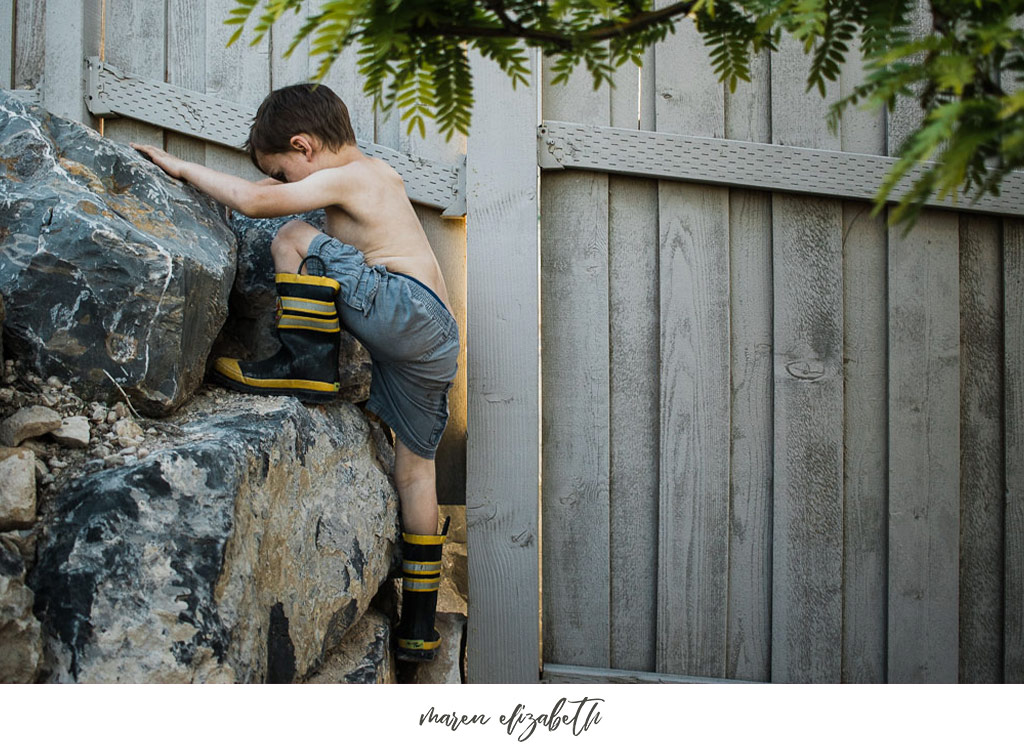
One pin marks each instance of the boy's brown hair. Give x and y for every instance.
(302, 108)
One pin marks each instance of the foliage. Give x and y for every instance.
(965, 68)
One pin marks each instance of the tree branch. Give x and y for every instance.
(512, 29)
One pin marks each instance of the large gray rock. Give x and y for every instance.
(251, 329)
(107, 266)
(242, 553)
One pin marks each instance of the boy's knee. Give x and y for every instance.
(293, 237)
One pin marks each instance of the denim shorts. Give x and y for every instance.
(412, 338)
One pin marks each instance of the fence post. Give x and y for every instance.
(503, 374)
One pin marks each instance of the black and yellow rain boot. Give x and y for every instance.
(421, 578)
(308, 327)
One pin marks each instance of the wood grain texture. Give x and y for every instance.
(186, 66)
(693, 558)
(924, 430)
(30, 43)
(135, 42)
(72, 33)
(240, 74)
(924, 451)
(633, 352)
(503, 455)
(865, 411)
(982, 458)
(750, 515)
(294, 68)
(808, 378)
(1013, 539)
(865, 478)
(7, 43)
(575, 387)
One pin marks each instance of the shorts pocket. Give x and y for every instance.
(364, 292)
(442, 418)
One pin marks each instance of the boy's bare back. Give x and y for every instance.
(379, 220)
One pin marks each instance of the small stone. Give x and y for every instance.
(111, 417)
(9, 378)
(17, 487)
(73, 432)
(6, 395)
(121, 409)
(37, 447)
(129, 451)
(32, 421)
(47, 479)
(99, 415)
(47, 400)
(41, 470)
(128, 432)
(54, 382)
(151, 431)
(113, 460)
(143, 453)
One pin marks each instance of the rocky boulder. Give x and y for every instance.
(109, 270)
(363, 656)
(250, 332)
(242, 551)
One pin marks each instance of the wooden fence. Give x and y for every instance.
(781, 441)
(770, 438)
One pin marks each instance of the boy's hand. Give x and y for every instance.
(168, 163)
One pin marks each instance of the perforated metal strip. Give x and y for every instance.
(648, 154)
(113, 92)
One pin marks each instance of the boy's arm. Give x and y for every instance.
(267, 198)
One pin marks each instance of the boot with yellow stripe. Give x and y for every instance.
(308, 327)
(421, 578)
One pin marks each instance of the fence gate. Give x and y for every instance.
(779, 440)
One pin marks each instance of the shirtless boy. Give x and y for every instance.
(373, 269)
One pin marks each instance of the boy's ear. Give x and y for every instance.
(303, 143)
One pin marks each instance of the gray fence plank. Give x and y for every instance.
(7, 42)
(693, 560)
(808, 325)
(239, 74)
(135, 41)
(72, 34)
(1013, 339)
(982, 457)
(865, 479)
(186, 66)
(575, 426)
(30, 43)
(924, 430)
(503, 644)
(748, 111)
(924, 451)
(633, 350)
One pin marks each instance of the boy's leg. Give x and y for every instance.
(308, 328)
(288, 249)
(417, 491)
